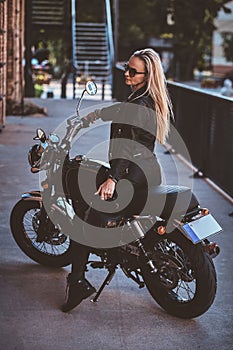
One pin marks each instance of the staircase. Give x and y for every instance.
(48, 14)
(92, 43)
(91, 54)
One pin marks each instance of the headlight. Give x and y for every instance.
(34, 156)
(53, 138)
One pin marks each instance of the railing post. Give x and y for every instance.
(103, 89)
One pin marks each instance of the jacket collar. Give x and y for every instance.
(137, 93)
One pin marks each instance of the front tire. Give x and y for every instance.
(192, 289)
(53, 250)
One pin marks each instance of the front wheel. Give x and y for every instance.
(53, 249)
(185, 284)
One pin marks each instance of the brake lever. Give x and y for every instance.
(73, 120)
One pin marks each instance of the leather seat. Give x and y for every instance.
(163, 201)
(171, 198)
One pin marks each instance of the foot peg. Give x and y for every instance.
(97, 265)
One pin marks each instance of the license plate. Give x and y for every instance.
(202, 228)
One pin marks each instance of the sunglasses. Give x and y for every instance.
(132, 71)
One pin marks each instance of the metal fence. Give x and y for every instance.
(205, 123)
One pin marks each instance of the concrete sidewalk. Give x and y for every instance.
(126, 317)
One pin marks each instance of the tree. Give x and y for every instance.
(192, 31)
(191, 26)
(137, 22)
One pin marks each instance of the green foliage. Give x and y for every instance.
(138, 21)
(191, 27)
(192, 30)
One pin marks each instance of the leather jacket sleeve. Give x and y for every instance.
(132, 134)
(112, 112)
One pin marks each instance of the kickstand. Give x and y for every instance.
(105, 283)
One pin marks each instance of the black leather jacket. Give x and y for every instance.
(133, 135)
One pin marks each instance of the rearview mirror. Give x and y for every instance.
(40, 135)
(91, 88)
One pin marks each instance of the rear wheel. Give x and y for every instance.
(185, 284)
(53, 249)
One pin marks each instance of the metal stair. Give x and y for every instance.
(48, 13)
(91, 56)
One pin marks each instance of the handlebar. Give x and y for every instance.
(74, 125)
(52, 147)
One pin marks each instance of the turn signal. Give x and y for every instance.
(45, 185)
(205, 211)
(161, 230)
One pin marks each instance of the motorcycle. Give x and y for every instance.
(175, 265)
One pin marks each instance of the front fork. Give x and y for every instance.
(43, 219)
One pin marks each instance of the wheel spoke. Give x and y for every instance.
(185, 290)
(57, 243)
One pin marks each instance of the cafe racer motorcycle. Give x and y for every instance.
(176, 266)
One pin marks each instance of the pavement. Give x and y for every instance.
(126, 317)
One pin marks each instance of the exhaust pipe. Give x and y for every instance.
(212, 249)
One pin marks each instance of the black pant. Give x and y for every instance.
(79, 257)
(80, 252)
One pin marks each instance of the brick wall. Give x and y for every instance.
(15, 45)
(3, 60)
(11, 53)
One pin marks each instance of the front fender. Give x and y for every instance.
(32, 195)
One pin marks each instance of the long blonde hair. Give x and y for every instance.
(157, 89)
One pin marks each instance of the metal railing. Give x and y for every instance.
(205, 123)
(109, 37)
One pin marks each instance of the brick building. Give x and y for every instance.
(11, 53)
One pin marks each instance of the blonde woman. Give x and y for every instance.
(134, 129)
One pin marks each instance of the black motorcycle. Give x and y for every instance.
(175, 264)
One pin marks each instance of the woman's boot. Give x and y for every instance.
(77, 290)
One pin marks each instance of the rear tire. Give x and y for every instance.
(54, 251)
(194, 291)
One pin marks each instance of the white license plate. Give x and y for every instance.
(201, 228)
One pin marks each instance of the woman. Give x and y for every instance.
(133, 160)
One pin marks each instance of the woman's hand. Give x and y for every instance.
(107, 189)
(92, 116)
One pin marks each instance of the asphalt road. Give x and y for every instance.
(126, 317)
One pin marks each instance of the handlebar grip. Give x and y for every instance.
(85, 123)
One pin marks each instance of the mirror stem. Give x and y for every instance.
(79, 103)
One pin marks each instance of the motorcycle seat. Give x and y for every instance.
(167, 200)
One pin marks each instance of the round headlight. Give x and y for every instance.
(54, 138)
(34, 156)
